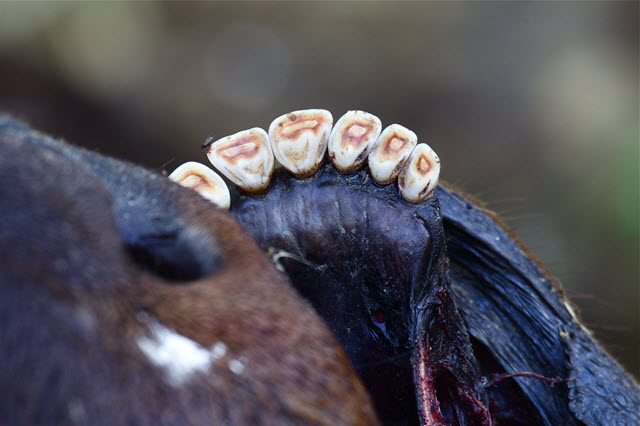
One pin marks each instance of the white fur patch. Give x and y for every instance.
(237, 366)
(180, 357)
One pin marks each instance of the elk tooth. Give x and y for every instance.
(245, 158)
(351, 140)
(390, 152)
(419, 176)
(299, 140)
(204, 181)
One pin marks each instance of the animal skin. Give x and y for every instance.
(127, 299)
(81, 311)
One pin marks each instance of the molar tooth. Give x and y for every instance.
(419, 176)
(299, 140)
(245, 158)
(390, 152)
(351, 139)
(204, 181)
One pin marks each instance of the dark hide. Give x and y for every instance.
(518, 315)
(96, 254)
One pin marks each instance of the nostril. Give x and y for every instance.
(185, 255)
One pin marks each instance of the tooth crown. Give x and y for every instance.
(245, 158)
(203, 180)
(390, 152)
(299, 140)
(419, 176)
(351, 140)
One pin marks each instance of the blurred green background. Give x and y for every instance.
(532, 106)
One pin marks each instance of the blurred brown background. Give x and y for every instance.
(533, 107)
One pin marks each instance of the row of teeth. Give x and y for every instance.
(299, 141)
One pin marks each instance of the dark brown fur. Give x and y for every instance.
(74, 302)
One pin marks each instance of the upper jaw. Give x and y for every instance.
(300, 141)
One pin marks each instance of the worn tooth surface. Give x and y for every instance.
(390, 152)
(419, 176)
(299, 140)
(204, 181)
(245, 158)
(351, 140)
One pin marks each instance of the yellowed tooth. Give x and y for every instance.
(390, 152)
(245, 158)
(203, 180)
(419, 176)
(351, 140)
(299, 140)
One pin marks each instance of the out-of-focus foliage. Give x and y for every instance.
(533, 107)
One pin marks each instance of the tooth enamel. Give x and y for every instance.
(245, 158)
(204, 181)
(390, 152)
(299, 140)
(351, 139)
(419, 176)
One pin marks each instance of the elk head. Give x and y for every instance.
(129, 299)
